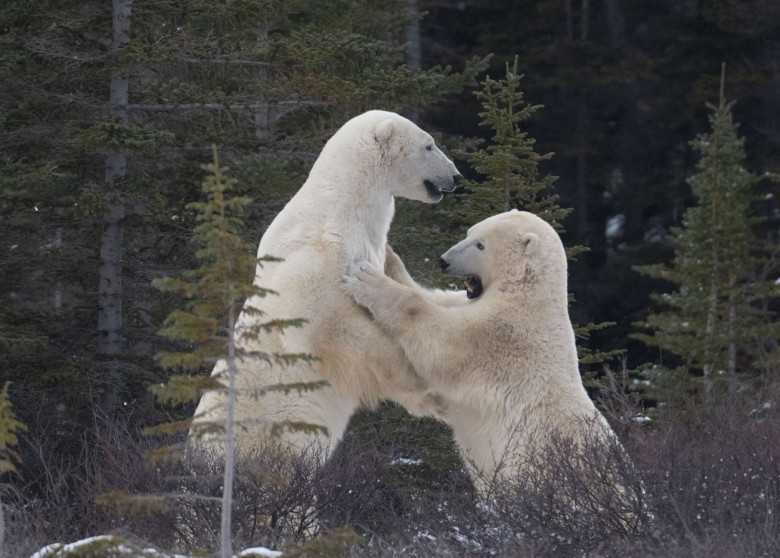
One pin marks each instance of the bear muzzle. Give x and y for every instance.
(440, 185)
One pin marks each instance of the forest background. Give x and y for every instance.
(105, 119)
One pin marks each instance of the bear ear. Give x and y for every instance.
(530, 242)
(384, 131)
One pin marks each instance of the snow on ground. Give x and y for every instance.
(107, 544)
(259, 551)
(111, 546)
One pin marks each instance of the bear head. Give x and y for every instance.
(515, 251)
(395, 152)
(420, 171)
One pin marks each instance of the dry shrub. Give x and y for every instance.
(274, 498)
(705, 485)
(573, 497)
(65, 468)
(713, 479)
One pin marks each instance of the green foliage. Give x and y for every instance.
(214, 292)
(510, 177)
(435, 459)
(716, 314)
(110, 134)
(586, 354)
(222, 283)
(9, 428)
(509, 164)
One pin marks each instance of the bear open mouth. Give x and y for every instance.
(473, 287)
(434, 192)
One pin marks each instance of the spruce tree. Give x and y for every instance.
(509, 164)
(509, 177)
(215, 292)
(714, 318)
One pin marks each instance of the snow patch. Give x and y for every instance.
(108, 545)
(59, 549)
(406, 461)
(614, 226)
(259, 551)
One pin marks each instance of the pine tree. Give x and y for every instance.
(215, 293)
(509, 178)
(715, 319)
(509, 164)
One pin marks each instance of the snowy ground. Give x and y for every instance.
(111, 546)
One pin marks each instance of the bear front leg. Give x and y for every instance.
(396, 270)
(390, 303)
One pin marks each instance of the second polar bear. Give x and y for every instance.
(340, 216)
(504, 359)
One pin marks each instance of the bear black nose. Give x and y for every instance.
(444, 263)
(456, 178)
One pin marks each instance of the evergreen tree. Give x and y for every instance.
(509, 177)
(216, 292)
(715, 319)
(509, 165)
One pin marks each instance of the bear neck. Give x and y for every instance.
(369, 214)
(532, 286)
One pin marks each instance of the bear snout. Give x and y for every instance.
(456, 178)
(447, 183)
(444, 264)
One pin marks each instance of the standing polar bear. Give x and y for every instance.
(502, 356)
(340, 216)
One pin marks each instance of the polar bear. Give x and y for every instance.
(502, 354)
(340, 216)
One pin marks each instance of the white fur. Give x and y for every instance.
(505, 362)
(340, 216)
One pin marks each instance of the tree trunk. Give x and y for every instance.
(413, 49)
(110, 284)
(584, 20)
(616, 23)
(708, 368)
(581, 160)
(732, 331)
(413, 45)
(230, 440)
(262, 116)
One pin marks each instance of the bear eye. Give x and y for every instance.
(480, 246)
(428, 147)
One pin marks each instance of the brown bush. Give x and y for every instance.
(703, 486)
